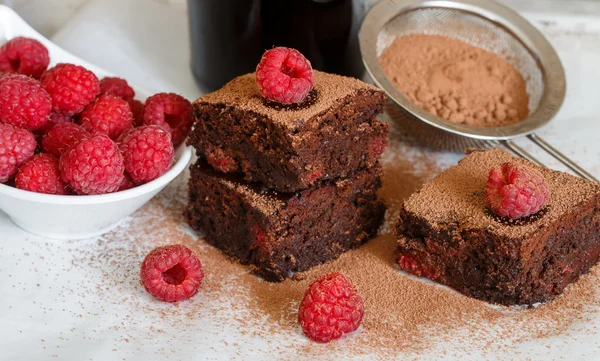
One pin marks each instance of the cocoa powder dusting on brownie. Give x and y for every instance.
(456, 81)
(405, 316)
(243, 93)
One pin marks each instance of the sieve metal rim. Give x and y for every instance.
(553, 74)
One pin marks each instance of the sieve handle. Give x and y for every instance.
(520, 152)
(561, 157)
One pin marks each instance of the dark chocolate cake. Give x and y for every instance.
(447, 234)
(333, 134)
(282, 233)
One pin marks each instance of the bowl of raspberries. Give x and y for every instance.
(80, 149)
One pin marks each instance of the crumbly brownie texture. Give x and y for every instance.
(333, 134)
(452, 238)
(278, 233)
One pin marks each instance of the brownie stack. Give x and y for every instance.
(286, 187)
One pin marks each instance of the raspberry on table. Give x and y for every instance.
(40, 174)
(117, 87)
(170, 111)
(284, 75)
(147, 153)
(108, 115)
(16, 146)
(137, 108)
(24, 56)
(62, 137)
(93, 165)
(71, 87)
(331, 307)
(24, 103)
(516, 191)
(53, 119)
(172, 273)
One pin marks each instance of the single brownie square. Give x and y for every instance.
(446, 233)
(282, 233)
(332, 134)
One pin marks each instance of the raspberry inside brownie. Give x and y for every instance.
(331, 134)
(447, 233)
(282, 233)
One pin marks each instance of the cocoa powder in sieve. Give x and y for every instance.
(456, 81)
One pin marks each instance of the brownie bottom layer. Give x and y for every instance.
(279, 234)
(471, 261)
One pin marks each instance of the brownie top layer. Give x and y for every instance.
(457, 195)
(242, 93)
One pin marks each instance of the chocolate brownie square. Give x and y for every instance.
(282, 233)
(446, 233)
(332, 134)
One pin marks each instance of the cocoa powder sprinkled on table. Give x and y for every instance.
(456, 81)
(403, 315)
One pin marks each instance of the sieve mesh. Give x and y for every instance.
(472, 29)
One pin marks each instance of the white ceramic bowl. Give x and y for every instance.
(75, 217)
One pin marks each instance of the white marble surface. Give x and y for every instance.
(146, 42)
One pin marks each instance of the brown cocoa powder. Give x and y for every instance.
(404, 316)
(456, 81)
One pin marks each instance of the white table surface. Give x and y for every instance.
(146, 42)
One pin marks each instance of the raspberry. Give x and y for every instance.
(170, 111)
(284, 75)
(378, 145)
(93, 165)
(137, 108)
(172, 273)
(126, 183)
(515, 191)
(71, 87)
(330, 308)
(24, 56)
(222, 162)
(409, 264)
(147, 153)
(16, 146)
(108, 115)
(40, 174)
(54, 119)
(117, 87)
(62, 137)
(23, 102)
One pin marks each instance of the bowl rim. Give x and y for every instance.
(184, 152)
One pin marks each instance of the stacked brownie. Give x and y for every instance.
(286, 187)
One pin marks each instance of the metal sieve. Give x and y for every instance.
(484, 24)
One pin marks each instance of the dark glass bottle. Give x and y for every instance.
(228, 37)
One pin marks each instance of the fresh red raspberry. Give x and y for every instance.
(172, 273)
(126, 183)
(108, 115)
(54, 119)
(24, 56)
(284, 75)
(23, 102)
(331, 307)
(170, 111)
(409, 264)
(117, 87)
(62, 137)
(515, 191)
(93, 165)
(16, 146)
(40, 174)
(137, 108)
(147, 153)
(71, 87)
